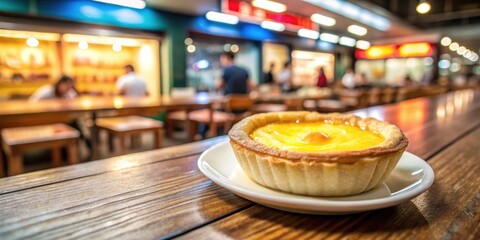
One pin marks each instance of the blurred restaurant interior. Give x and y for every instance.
(98, 81)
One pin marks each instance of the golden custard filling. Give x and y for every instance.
(316, 137)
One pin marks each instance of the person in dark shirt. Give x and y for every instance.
(268, 76)
(235, 80)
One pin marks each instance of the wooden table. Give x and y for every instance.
(27, 113)
(161, 193)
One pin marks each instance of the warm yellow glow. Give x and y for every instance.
(32, 42)
(423, 7)
(83, 45)
(316, 137)
(117, 47)
(414, 49)
(118, 102)
(129, 42)
(270, 5)
(25, 35)
(380, 51)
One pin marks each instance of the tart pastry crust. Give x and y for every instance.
(331, 173)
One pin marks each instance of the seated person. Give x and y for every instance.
(63, 88)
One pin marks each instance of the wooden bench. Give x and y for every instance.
(121, 127)
(16, 141)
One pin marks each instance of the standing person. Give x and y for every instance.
(322, 79)
(63, 88)
(348, 80)
(268, 77)
(130, 84)
(284, 78)
(235, 80)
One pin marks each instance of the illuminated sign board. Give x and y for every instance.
(247, 12)
(421, 49)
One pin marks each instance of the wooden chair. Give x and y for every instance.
(375, 96)
(16, 141)
(178, 116)
(237, 107)
(121, 127)
(389, 95)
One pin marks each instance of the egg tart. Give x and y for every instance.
(317, 154)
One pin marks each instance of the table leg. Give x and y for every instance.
(73, 153)
(56, 156)
(158, 138)
(2, 165)
(121, 139)
(94, 137)
(15, 163)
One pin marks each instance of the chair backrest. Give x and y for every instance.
(183, 92)
(374, 96)
(294, 103)
(238, 102)
(354, 98)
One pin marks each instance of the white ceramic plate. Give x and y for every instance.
(411, 176)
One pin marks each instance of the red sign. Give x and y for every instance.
(421, 49)
(245, 11)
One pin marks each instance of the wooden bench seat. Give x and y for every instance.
(121, 127)
(16, 141)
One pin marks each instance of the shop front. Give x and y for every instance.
(396, 64)
(203, 60)
(30, 59)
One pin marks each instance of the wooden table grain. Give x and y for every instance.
(161, 194)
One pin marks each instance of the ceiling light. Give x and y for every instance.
(275, 26)
(357, 30)
(323, 20)
(474, 57)
(328, 37)
(353, 12)
(362, 44)
(446, 41)
(32, 42)
(461, 50)
(307, 33)
(83, 45)
(346, 41)
(467, 54)
(454, 46)
(191, 48)
(270, 5)
(138, 4)
(188, 41)
(423, 7)
(117, 47)
(444, 64)
(234, 48)
(222, 17)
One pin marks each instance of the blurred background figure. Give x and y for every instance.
(130, 84)
(284, 78)
(348, 79)
(268, 76)
(322, 78)
(63, 88)
(234, 80)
